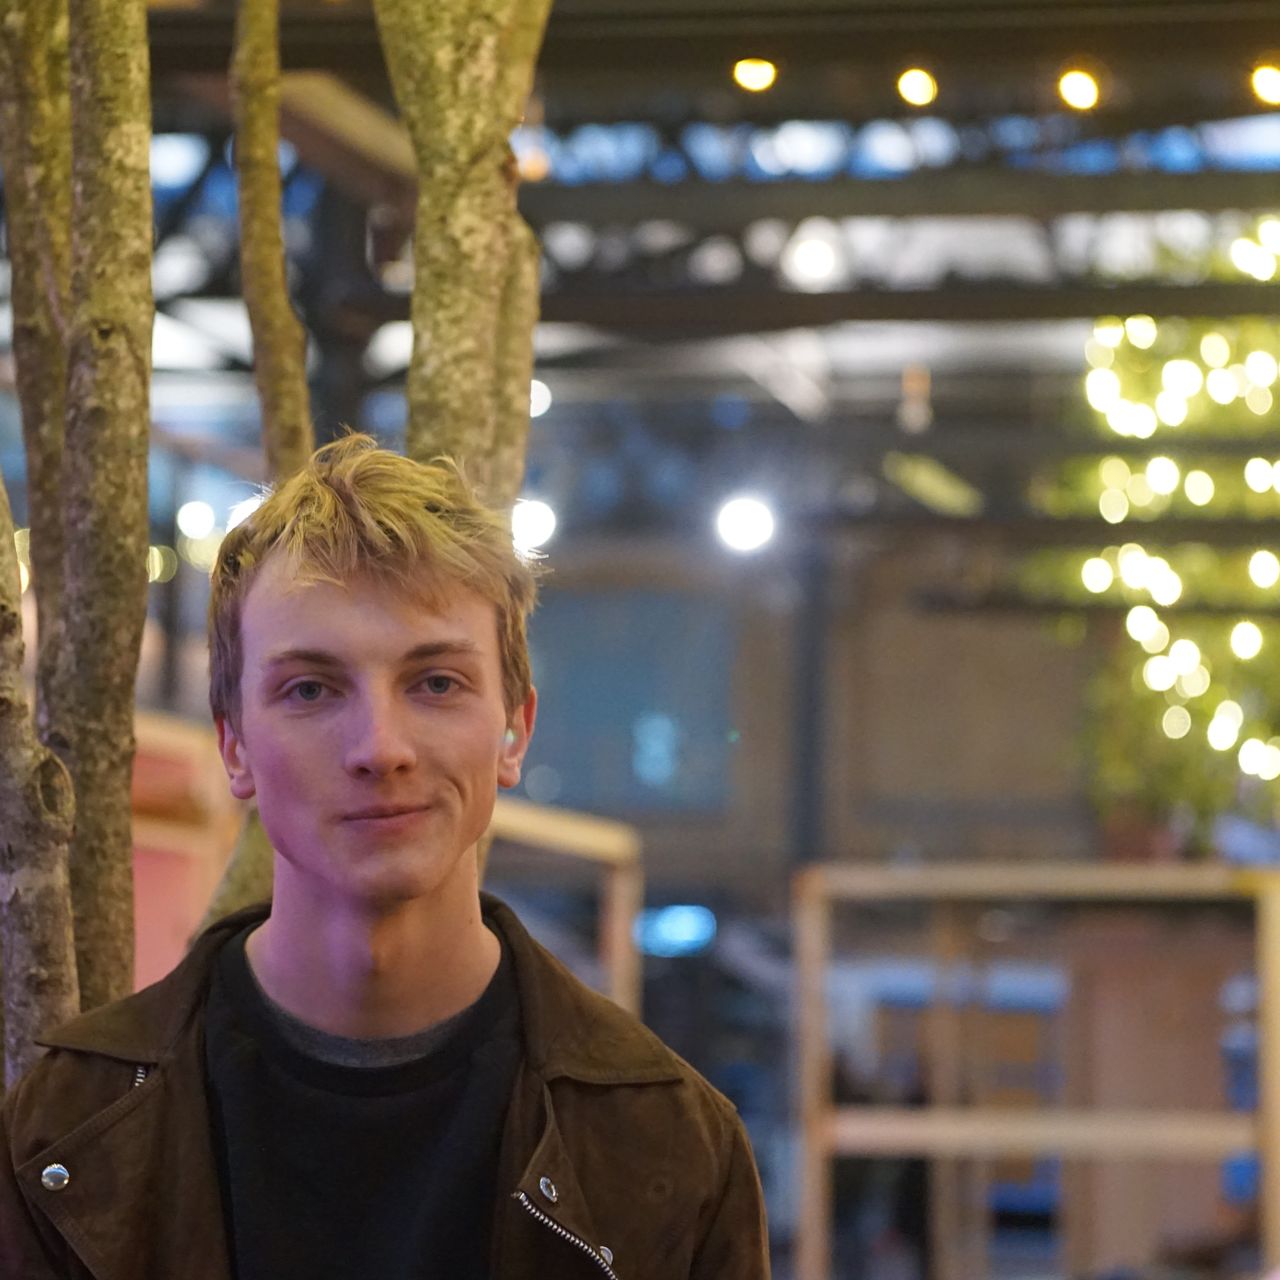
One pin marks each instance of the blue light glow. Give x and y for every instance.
(675, 931)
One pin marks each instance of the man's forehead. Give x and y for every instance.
(284, 597)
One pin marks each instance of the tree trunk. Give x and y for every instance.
(37, 808)
(38, 981)
(108, 426)
(460, 71)
(35, 152)
(279, 341)
(514, 368)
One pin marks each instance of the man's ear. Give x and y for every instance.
(234, 760)
(516, 741)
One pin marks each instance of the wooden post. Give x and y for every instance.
(1268, 1121)
(813, 957)
(944, 1082)
(623, 897)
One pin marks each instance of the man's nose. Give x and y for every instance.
(379, 741)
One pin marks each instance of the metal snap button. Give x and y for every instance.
(607, 1254)
(548, 1189)
(55, 1177)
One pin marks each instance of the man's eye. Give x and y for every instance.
(439, 684)
(307, 691)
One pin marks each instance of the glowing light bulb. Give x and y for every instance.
(1142, 331)
(1114, 473)
(1246, 640)
(1183, 377)
(195, 519)
(755, 75)
(745, 524)
(1215, 351)
(1102, 389)
(1163, 475)
(1079, 90)
(1257, 474)
(1097, 575)
(532, 524)
(1113, 506)
(1261, 367)
(1176, 722)
(1158, 673)
(1264, 568)
(1199, 488)
(1141, 621)
(917, 87)
(1266, 84)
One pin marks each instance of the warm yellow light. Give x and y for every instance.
(1257, 474)
(1195, 682)
(1135, 569)
(1259, 400)
(1215, 350)
(1231, 712)
(755, 75)
(1163, 475)
(917, 87)
(1132, 418)
(1183, 377)
(1079, 90)
(1141, 621)
(1164, 585)
(1185, 656)
(1157, 640)
(1266, 84)
(1221, 385)
(1253, 755)
(1264, 569)
(1269, 233)
(1223, 731)
(1158, 673)
(1176, 722)
(1171, 409)
(1142, 331)
(1249, 257)
(1269, 765)
(1246, 640)
(1114, 473)
(1097, 575)
(1261, 368)
(1099, 355)
(1102, 389)
(1113, 506)
(1139, 490)
(1199, 488)
(1109, 331)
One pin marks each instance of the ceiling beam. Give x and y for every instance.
(720, 312)
(596, 39)
(728, 207)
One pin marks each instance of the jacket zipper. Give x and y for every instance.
(563, 1234)
(139, 1076)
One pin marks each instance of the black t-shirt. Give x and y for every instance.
(333, 1171)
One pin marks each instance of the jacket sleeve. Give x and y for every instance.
(736, 1242)
(24, 1253)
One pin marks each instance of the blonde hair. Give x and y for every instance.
(357, 509)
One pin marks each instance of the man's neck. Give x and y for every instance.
(355, 971)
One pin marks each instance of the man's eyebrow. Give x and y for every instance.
(323, 658)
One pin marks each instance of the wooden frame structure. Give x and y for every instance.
(613, 845)
(945, 1131)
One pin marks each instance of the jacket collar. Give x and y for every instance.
(569, 1030)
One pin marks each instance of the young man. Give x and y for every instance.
(380, 1073)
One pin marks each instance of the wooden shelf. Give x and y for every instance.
(988, 1131)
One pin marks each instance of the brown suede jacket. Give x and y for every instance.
(618, 1159)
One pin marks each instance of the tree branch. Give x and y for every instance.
(108, 427)
(279, 341)
(37, 809)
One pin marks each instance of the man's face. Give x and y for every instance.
(372, 731)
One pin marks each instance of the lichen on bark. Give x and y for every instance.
(279, 340)
(35, 153)
(108, 429)
(37, 809)
(461, 72)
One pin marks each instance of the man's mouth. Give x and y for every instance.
(383, 811)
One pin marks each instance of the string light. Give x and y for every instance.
(755, 75)
(1257, 474)
(1079, 90)
(1246, 640)
(1264, 569)
(917, 87)
(1266, 84)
